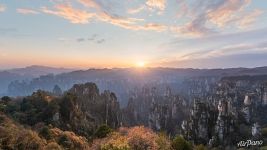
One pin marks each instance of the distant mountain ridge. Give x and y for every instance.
(123, 80)
(27, 73)
(37, 71)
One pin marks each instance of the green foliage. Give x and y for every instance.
(11, 108)
(139, 143)
(8, 106)
(163, 142)
(67, 105)
(34, 107)
(200, 147)
(53, 146)
(103, 131)
(6, 99)
(45, 132)
(245, 131)
(179, 143)
(2, 107)
(113, 147)
(264, 132)
(65, 142)
(263, 148)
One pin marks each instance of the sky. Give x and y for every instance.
(130, 33)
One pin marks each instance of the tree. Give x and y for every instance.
(65, 142)
(179, 143)
(200, 147)
(67, 106)
(45, 132)
(57, 90)
(163, 141)
(5, 99)
(103, 131)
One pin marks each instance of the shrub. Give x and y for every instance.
(65, 142)
(200, 147)
(103, 131)
(264, 132)
(45, 132)
(52, 146)
(163, 142)
(179, 143)
(114, 147)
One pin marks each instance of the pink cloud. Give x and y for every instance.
(70, 13)
(26, 11)
(249, 18)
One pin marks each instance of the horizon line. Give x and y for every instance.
(131, 67)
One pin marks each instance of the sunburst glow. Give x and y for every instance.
(140, 64)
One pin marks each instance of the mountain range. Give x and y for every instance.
(122, 81)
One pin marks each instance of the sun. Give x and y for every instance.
(140, 64)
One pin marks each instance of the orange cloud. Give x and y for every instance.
(136, 10)
(26, 11)
(89, 3)
(83, 17)
(204, 17)
(158, 4)
(226, 12)
(130, 23)
(70, 13)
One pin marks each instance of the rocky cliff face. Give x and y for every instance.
(232, 110)
(157, 111)
(87, 108)
(82, 109)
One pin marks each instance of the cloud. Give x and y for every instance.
(208, 17)
(181, 51)
(236, 60)
(81, 16)
(100, 5)
(200, 18)
(80, 40)
(26, 11)
(2, 8)
(228, 50)
(92, 38)
(90, 3)
(249, 19)
(66, 11)
(101, 41)
(156, 4)
(136, 10)
(149, 5)
(223, 12)
(235, 55)
(195, 28)
(130, 23)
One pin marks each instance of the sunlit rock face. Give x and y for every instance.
(264, 94)
(247, 100)
(225, 122)
(199, 126)
(256, 131)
